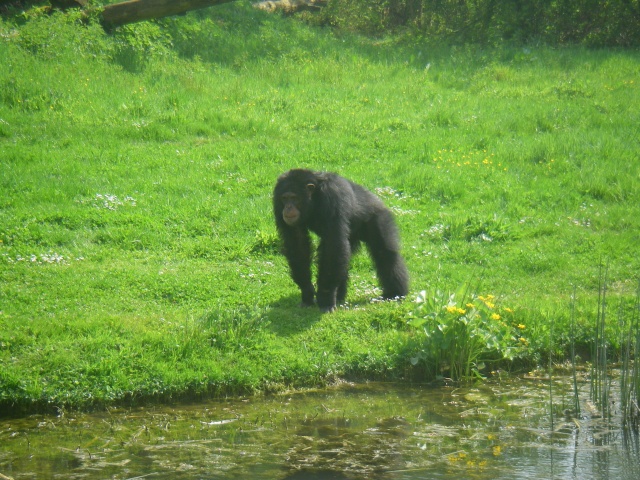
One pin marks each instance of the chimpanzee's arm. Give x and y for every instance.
(297, 249)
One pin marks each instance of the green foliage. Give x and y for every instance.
(58, 35)
(138, 43)
(588, 22)
(463, 331)
(234, 330)
(266, 242)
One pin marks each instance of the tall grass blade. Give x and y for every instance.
(576, 399)
(600, 382)
(629, 378)
(551, 322)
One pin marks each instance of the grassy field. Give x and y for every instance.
(138, 254)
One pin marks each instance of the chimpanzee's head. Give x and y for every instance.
(292, 196)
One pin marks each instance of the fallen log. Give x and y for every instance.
(65, 4)
(289, 6)
(133, 11)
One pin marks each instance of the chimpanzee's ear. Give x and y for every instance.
(310, 188)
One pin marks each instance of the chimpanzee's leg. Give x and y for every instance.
(383, 242)
(334, 254)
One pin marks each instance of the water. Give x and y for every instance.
(494, 430)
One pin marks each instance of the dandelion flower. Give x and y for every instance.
(495, 316)
(521, 326)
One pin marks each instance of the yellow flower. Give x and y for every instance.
(455, 309)
(489, 304)
(523, 341)
(508, 310)
(495, 316)
(521, 326)
(470, 305)
(497, 450)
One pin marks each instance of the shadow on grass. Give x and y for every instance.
(235, 34)
(286, 316)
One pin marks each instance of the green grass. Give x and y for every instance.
(138, 255)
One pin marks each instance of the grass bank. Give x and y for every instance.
(138, 256)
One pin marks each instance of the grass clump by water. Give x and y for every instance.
(138, 256)
(463, 332)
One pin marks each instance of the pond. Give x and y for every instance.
(492, 430)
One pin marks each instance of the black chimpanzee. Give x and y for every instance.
(342, 214)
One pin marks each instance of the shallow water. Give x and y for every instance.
(493, 430)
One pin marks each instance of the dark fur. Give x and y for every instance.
(342, 214)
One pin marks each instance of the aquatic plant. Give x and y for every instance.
(602, 391)
(600, 380)
(463, 332)
(630, 374)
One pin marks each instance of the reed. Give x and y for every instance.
(576, 398)
(630, 373)
(600, 379)
(550, 372)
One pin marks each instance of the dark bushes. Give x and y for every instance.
(587, 22)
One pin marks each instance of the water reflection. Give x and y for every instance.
(388, 431)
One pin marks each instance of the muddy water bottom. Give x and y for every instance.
(494, 430)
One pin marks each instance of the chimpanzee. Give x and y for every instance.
(342, 214)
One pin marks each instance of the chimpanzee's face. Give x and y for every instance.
(291, 209)
(295, 204)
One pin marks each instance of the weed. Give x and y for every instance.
(463, 331)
